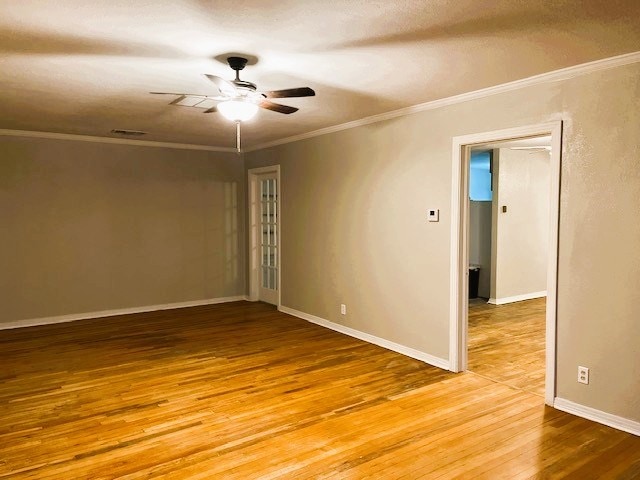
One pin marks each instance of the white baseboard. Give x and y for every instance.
(517, 298)
(620, 423)
(32, 322)
(381, 342)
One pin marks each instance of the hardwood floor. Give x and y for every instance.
(241, 391)
(506, 343)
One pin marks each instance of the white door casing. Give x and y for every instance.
(460, 239)
(264, 234)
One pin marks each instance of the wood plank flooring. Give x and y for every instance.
(506, 343)
(241, 391)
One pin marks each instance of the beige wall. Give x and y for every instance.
(522, 232)
(354, 226)
(93, 226)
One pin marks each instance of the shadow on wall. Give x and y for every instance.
(231, 260)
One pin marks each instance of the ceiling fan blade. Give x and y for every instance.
(179, 99)
(291, 92)
(276, 107)
(226, 88)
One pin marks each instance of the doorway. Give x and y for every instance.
(459, 309)
(264, 234)
(508, 237)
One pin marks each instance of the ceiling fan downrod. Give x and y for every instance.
(237, 64)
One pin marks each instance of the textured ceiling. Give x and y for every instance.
(86, 67)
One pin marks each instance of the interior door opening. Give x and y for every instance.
(504, 286)
(508, 227)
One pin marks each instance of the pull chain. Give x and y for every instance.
(238, 136)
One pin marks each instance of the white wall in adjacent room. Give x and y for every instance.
(522, 232)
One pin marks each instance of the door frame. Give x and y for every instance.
(459, 307)
(253, 176)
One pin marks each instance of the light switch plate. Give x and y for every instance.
(433, 215)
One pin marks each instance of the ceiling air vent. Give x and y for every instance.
(128, 133)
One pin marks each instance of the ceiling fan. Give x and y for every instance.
(238, 100)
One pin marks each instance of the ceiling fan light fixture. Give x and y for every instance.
(238, 110)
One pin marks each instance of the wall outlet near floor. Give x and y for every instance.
(343, 309)
(583, 375)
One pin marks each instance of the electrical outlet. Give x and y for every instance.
(343, 309)
(583, 375)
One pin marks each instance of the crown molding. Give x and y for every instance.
(553, 76)
(119, 141)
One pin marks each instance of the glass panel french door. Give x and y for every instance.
(269, 239)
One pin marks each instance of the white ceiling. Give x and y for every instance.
(86, 67)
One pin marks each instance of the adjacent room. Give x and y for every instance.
(319, 240)
(509, 201)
